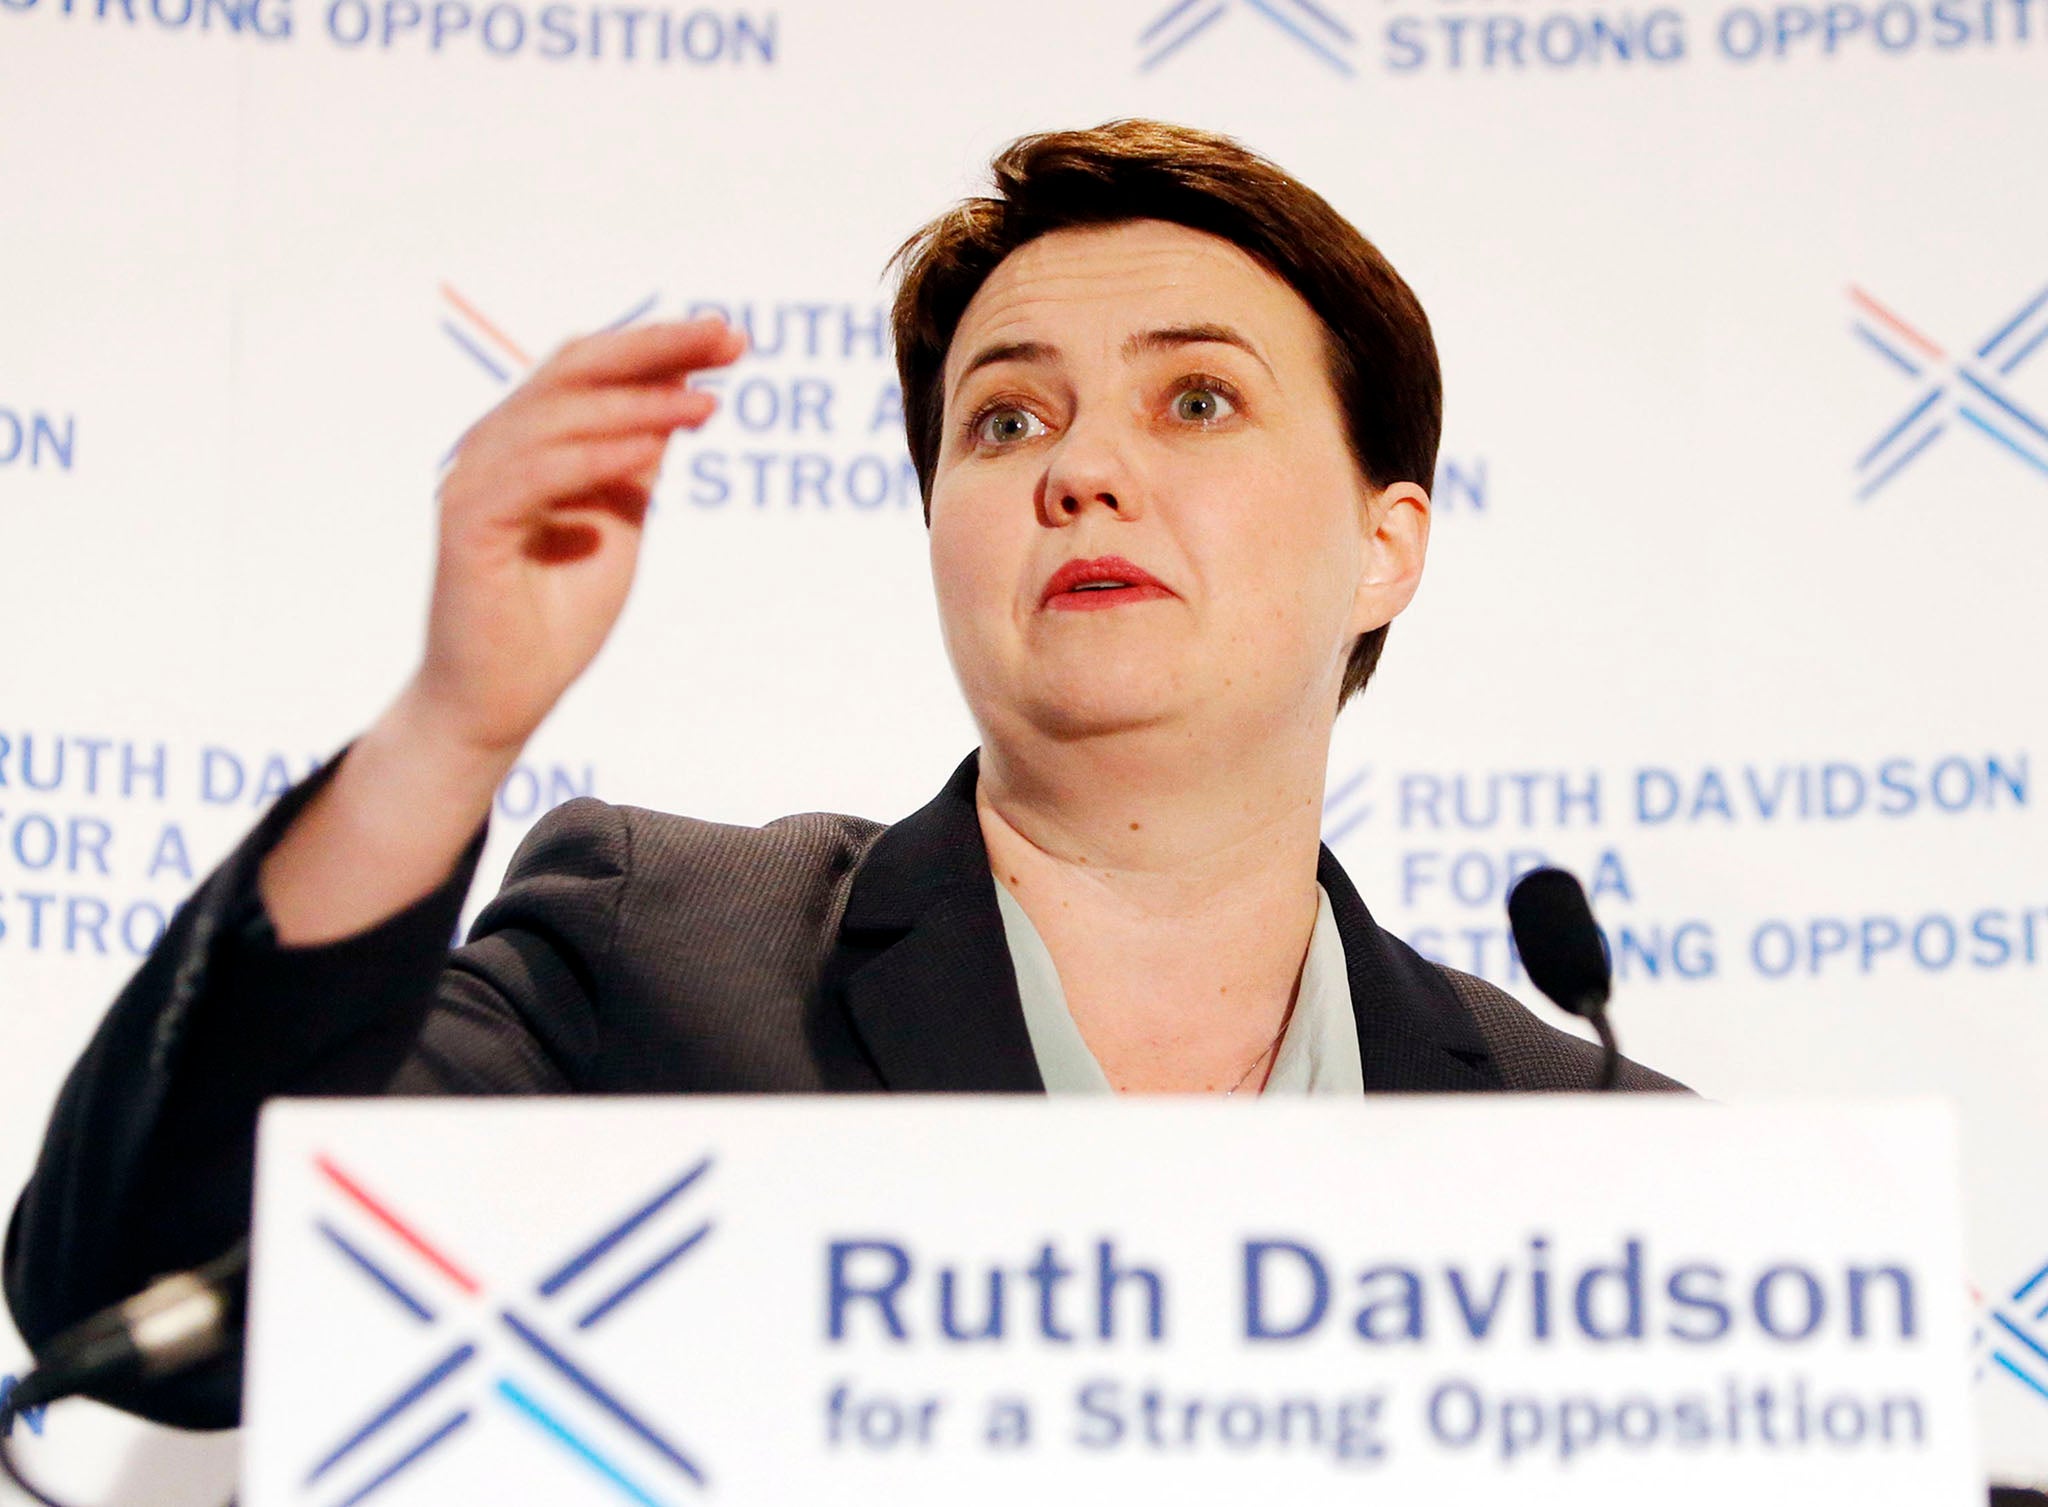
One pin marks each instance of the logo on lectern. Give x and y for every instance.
(1970, 390)
(2013, 1338)
(1308, 24)
(512, 1352)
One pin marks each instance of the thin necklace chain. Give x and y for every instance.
(1270, 1048)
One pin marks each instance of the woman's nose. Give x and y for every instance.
(1070, 505)
(1089, 471)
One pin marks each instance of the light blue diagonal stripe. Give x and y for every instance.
(1301, 35)
(2005, 439)
(1887, 350)
(2004, 402)
(2013, 323)
(555, 1429)
(1900, 428)
(602, 1398)
(1201, 25)
(2020, 1334)
(1871, 487)
(384, 1477)
(2016, 1371)
(645, 1275)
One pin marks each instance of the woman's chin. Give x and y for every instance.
(1097, 705)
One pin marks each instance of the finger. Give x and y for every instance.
(570, 535)
(646, 352)
(604, 412)
(561, 474)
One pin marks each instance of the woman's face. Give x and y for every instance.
(1150, 402)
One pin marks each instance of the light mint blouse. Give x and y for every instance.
(1319, 1054)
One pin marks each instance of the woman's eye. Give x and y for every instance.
(1201, 405)
(1003, 426)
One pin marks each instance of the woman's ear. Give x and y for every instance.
(1396, 524)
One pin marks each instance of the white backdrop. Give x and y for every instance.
(1731, 606)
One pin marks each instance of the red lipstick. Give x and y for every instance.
(1092, 585)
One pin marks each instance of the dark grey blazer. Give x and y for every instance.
(628, 952)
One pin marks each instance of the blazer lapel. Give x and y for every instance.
(1413, 1034)
(924, 968)
(924, 961)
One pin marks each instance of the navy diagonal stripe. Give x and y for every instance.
(1326, 18)
(2020, 1334)
(1899, 428)
(577, 1264)
(375, 1273)
(634, 313)
(2011, 363)
(1201, 24)
(2013, 323)
(603, 1398)
(1172, 14)
(1300, 34)
(384, 1477)
(553, 1427)
(1870, 488)
(2004, 402)
(2026, 1287)
(476, 351)
(1336, 797)
(1886, 349)
(446, 1367)
(645, 1275)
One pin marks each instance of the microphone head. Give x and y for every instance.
(1561, 947)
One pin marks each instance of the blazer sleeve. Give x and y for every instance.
(149, 1159)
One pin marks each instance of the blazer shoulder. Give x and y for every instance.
(594, 839)
(712, 881)
(1534, 1056)
(695, 948)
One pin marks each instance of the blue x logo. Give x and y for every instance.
(424, 1283)
(1306, 22)
(1968, 389)
(2014, 1335)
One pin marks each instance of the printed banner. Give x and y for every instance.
(920, 1301)
(1732, 603)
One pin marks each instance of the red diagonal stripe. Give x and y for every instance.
(476, 316)
(364, 1200)
(1898, 326)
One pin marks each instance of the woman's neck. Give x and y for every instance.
(1175, 889)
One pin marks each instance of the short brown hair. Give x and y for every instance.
(1382, 358)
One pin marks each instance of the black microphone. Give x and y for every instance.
(172, 1325)
(1562, 949)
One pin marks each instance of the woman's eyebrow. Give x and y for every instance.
(1173, 336)
(1008, 350)
(1168, 337)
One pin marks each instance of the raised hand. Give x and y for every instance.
(541, 516)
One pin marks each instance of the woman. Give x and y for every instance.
(1173, 418)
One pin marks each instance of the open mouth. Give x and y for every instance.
(1094, 585)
